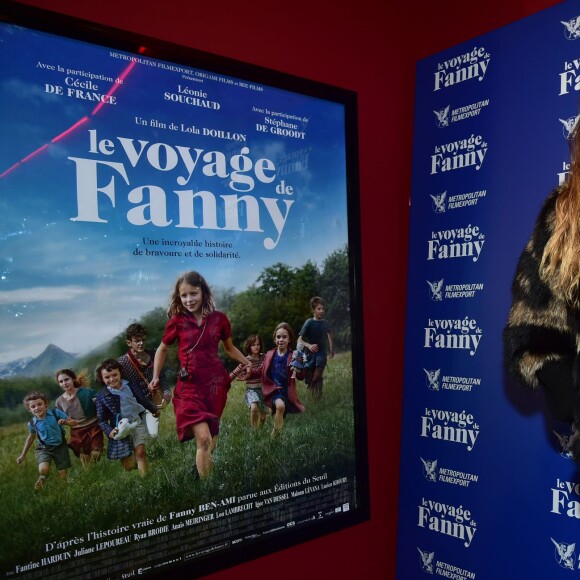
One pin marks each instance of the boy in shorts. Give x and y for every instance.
(46, 425)
(314, 335)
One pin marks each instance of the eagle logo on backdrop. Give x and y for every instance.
(443, 117)
(565, 554)
(429, 469)
(439, 202)
(433, 379)
(569, 125)
(572, 28)
(436, 290)
(427, 561)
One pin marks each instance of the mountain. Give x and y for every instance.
(13, 368)
(48, 362)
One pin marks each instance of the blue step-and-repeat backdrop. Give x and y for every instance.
(488, 489)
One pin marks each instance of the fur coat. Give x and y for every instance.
(542, 335)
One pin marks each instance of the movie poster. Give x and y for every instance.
(118, 173)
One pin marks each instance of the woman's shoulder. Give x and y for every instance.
(548, 208)
(544, 225)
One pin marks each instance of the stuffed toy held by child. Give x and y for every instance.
(125, 428)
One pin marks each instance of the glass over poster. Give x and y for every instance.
(181, 364)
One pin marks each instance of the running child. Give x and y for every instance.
(78, 402)
(253, 348)
(315, 334)
(47, 426)
(137, 367)
(119, 402)
(203, 382)
(278, 386)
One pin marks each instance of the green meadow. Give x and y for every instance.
(246, 460)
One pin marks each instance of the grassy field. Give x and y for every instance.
(246, 460)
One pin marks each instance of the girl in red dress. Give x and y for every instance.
(203, 382)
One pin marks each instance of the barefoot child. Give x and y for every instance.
(78, 402)
(278, 386)
(253, 348)
(46, 425)
(314, 334)
(120, 400)
(203, 382)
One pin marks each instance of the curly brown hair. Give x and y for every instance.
(560, 266)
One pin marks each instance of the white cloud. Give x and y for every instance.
(42, 294)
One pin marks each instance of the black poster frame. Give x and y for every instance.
(233, 547)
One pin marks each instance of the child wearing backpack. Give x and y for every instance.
(47, 426)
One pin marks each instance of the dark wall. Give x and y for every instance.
(369, 46)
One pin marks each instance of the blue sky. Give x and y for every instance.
(78, 283)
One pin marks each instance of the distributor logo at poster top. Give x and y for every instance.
(565, 554)
(441, 202)
(450, 427)
(447, 115)
(464, 67)
(433, 473)
(460, 154)
(438, 291)
(447, 519)
(571, 28)
(436, 381)
(466, 242)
